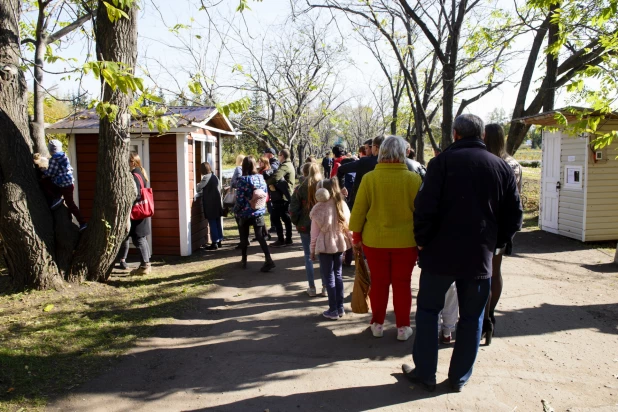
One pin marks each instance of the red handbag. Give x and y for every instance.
(145, 207)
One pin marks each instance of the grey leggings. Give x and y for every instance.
(141, 243)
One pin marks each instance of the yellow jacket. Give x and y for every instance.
(384, 207)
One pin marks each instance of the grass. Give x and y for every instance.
(531, 193)
(230, 228)
(52, 341)
(525, 153)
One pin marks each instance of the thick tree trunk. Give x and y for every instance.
(517, 134)
(26, 224)
(114, 187)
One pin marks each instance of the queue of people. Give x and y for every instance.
(456, 219)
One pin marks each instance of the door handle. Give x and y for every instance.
(558, 186)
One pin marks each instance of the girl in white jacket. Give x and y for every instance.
(330, 238)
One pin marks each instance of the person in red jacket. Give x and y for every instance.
(339, 153)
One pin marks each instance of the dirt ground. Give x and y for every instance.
(258, 343)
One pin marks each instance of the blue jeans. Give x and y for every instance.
(305, 238)
(332, 279)
(216, 231)
(472, 295)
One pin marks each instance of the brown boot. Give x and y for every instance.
(142, 270)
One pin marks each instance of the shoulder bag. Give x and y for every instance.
(145, 207)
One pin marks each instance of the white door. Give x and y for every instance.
(550, 181)
(142, 148)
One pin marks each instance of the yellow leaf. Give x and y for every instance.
(48, 308)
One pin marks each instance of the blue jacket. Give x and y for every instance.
(244, 192)
(467, 206)
(60, 170)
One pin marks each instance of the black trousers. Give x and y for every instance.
(244, 225)
(141, 243)
(281, 216)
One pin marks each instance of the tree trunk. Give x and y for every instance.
(114, 186)
(26, 224)
(448, 85)
(395, 115)
(552, 63)
(420, 142)
(38, 120)
(517, 134)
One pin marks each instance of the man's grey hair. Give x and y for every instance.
(393, 150)
(469, 125)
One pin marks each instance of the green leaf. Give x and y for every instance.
(48, 308)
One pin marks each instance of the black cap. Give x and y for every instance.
(271, 151)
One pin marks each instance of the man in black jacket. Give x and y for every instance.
(361, 167)
(467, 207)
(327, 165)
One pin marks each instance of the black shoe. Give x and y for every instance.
(272, 230)
(243, 262)
(289, 242)
(238, 246)
(277, 243)
(488, 331)
(123, 265)
(410, 373)
(212, 247)
(254, 239)
(269, 237)
(219, 244)
(458, 388)
(268, 266)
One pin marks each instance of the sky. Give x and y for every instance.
(158, 47)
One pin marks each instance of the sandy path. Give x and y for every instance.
(257, 343)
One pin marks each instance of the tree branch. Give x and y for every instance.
(68, 29)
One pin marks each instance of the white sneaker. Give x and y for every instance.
(377, 329)
(324, 293)
(311, 292)
(404, 333)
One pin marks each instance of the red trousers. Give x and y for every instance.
(391, 267)
(53, 192)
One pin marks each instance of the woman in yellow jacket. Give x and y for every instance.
(382, 223)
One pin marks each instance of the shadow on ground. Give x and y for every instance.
(269, 332)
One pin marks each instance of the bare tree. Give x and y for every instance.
(433, 47)
(297, 77)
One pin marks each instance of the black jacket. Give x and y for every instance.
(361, 167)
(139, 228)
(211, 199)
(327, 164)
(467, 206)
